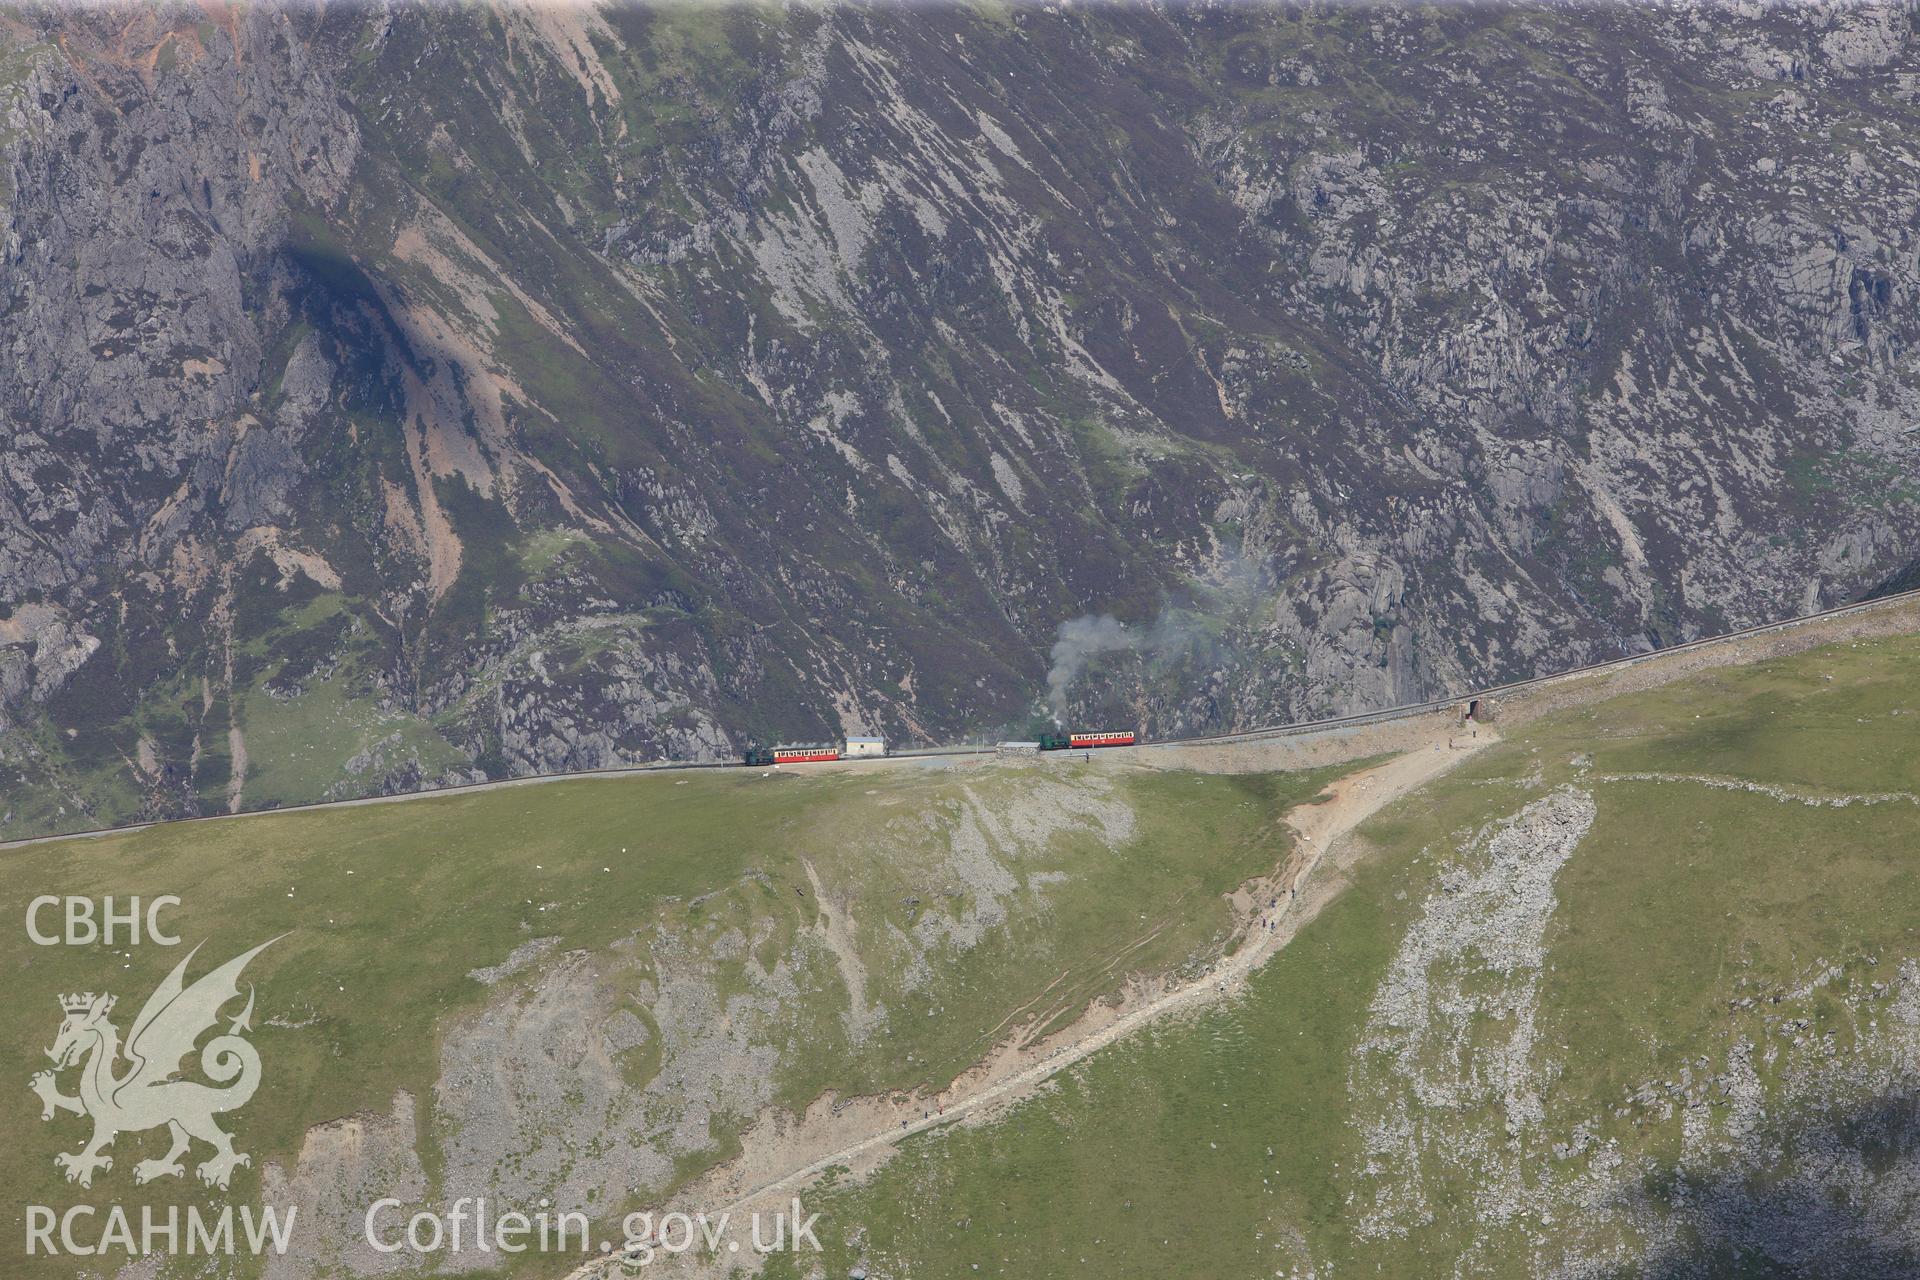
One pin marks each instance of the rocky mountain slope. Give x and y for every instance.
(401, 394)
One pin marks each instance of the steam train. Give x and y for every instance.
(1081, 741)
(792, 753)
(857, 748)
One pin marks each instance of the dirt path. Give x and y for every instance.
(783, 1157)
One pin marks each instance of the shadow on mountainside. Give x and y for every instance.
(1837, 1197)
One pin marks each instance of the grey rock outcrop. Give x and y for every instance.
(577, 387)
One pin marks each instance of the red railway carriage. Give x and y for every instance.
(804, 752)
(1116, 738)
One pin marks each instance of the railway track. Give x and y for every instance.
(1534, 683)
(1293, 729)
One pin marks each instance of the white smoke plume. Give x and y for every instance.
(1079, 639)
(1233, 583)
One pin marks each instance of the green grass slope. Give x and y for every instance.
(945, 900)
(1689, 1047)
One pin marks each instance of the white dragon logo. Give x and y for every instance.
(149, 1094)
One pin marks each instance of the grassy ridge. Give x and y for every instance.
(388, 907)
(1688, 922)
